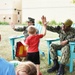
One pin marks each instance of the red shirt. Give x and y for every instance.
(33, 42)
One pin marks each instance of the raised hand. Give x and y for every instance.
(43, 20)
(12, 25)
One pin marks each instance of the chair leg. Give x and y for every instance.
(49, 59)
(71, 65)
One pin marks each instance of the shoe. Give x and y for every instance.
(61, 70)
(55, 67)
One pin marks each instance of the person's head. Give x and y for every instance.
(67, 24)
(26, 68)
(30, 21)
(31, 29)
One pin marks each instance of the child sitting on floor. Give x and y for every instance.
(26, 68)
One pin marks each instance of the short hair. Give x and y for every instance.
(28, 67)
(31, 29)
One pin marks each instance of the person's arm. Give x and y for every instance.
(71, 37)
(44, 32)
(23, 42)
(45, 24)
(53, 29)
(12, 25)
(17, 28)
(20, 29)
(63, 43)
(11, 70)
(50, 28)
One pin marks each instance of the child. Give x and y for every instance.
(32, 41)
(6, 68)
(26, 68)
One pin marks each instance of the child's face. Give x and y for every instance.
(22, 73)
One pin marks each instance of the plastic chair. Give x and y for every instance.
(72, 53)
(12, 41)
(72, 56)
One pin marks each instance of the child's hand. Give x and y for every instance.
(43, 19)
(23, 42)
(12, 25)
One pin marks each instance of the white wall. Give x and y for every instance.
(58, 10)
(6, 6)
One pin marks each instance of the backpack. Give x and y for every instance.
(21, 50)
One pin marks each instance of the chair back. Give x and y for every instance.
(39, 27)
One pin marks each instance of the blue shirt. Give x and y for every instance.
(6, 68)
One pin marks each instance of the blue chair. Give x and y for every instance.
(12, 41)
(39, 27)
(72, 53)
